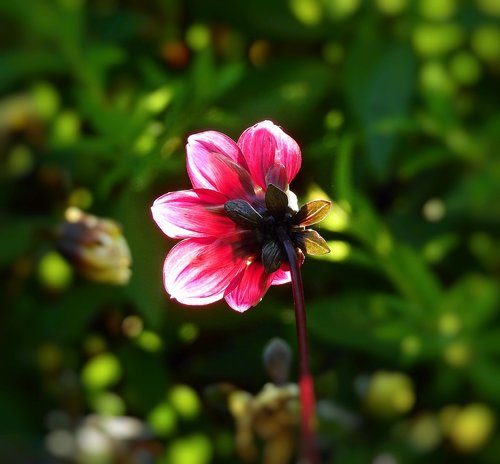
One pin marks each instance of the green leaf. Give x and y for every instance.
(485, 376)
(75, 310)
(148, 249)
(146, 378)
(347, 321)
(343, 170)
(18, 234)
(411, 275)
(380, 92)
(286, 90)
(474, 299)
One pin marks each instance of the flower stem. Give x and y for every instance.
(306, 384)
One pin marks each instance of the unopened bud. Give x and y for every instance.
(277, 360)
(96, 247)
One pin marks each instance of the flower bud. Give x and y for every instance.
(277, 358)
(96, 247)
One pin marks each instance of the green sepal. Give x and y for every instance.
(312, 212)
(311, 243)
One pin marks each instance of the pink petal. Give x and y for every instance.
(220, 143)
(253, 285)
(277, 176)
(265, 145)
(281, 276)
(192, 213)
(215, 162)
(197, 271)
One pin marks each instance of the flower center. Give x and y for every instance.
(268, 223)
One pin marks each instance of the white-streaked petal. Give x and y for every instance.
(192, 213)
(252, 286)
(197, 271)
(211, 166)
(265, 145)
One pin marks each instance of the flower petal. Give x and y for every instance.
(214, 163)
(192, 213)
(253, 285)
(218, 142)
(282, 276)
(198, 271)
(264, 145)
(277, 176)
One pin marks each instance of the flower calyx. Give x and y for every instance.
(276, 218)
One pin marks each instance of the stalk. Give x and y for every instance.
(306, 383)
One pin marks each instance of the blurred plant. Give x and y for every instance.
(95, 246)
(389, 394)
(469, 427)
(272, 415)
(277, 359)
(103, 439)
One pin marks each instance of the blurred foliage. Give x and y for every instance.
(395, 104)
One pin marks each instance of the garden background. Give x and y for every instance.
(396, 106)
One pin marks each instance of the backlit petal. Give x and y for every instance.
(264, 145)
(197, 271)
(192, 213)
(277, 176)
(217, 142)
(282, 276)
(253, 285)
(214, 165)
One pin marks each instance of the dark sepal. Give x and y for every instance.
(311, 243)
(242, 213)
(271, 256)
(312, 212)
(276, 201)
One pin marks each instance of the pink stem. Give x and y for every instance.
(306, 383)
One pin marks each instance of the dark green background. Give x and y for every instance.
(396, 107)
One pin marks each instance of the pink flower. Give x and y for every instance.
(229, 221)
